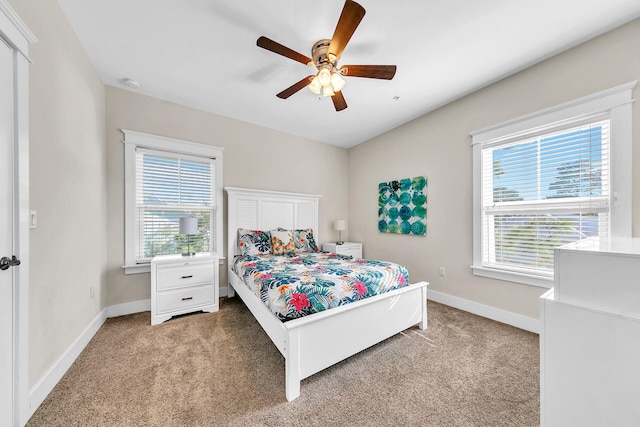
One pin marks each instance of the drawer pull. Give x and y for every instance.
(187, 277)
(187, 298)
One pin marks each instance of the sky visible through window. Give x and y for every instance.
(567, 164)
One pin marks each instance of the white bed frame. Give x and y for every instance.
(315, 342)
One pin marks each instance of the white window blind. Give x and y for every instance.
(542, 189)
(170, 186)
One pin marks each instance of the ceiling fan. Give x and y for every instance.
(326, 53)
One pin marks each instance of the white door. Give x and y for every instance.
(7, 143)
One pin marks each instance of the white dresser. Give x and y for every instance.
(347, 248)
(183, 284)
(590, 336)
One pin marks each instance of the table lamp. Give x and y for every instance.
(188, 226)
(340, 225)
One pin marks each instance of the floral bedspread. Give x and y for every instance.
(296, 285)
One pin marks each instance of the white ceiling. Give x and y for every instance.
(203, 53)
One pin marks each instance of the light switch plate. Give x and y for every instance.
(33, 220)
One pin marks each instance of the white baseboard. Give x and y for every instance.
(48, 381)
(499, 315)
(129, 308)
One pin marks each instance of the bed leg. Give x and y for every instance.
(423, 324)
(230, 291)
(292, 365)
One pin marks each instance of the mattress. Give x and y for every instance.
(296, 285)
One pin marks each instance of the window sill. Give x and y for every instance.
(137, 269)
(146, 268)
(511, 276)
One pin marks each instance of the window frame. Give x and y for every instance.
(132, 141)
(617, 103)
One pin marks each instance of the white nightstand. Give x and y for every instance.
(181, 284)
(347, 248)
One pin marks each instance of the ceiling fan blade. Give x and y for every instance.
(338, 101)
(385, 72)
(295, 87)
(352, 14)
(275, 47)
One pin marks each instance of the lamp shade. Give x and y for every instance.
(188, 226)
(340, 225)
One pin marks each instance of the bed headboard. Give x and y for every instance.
(267, 210)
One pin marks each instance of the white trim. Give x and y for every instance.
(23, 252)
(137, 268)
(621, 170)
(617, 102)
(134, 139)
(513, 276)
(48, 381)
(590, 104)
(499, 315)
(270, 193)
(157, 142)
(15, 30)
(128, 308)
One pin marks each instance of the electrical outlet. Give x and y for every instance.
(442, 272)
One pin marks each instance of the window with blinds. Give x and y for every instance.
(168, 187)
(543, 189)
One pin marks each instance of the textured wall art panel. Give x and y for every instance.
(402, 206)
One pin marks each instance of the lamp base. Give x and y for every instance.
(339, 242)
(188, 253)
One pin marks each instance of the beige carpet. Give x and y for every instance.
(221, 369)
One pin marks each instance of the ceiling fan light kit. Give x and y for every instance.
(337, 82)
(326, 53)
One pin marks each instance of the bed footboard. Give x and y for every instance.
(316, 342)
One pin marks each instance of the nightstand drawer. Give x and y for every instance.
(355, 252)
(187, 274)
(184, 298)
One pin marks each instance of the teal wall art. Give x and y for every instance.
(402, 206)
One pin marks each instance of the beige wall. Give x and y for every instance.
(438, 146)
(254, 157)
(67, 186)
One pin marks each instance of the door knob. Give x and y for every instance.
(6, 262)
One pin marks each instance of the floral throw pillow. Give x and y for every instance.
(254, 242)
(282, 242)
(304, 240)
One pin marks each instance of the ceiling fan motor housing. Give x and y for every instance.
(319, 53)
